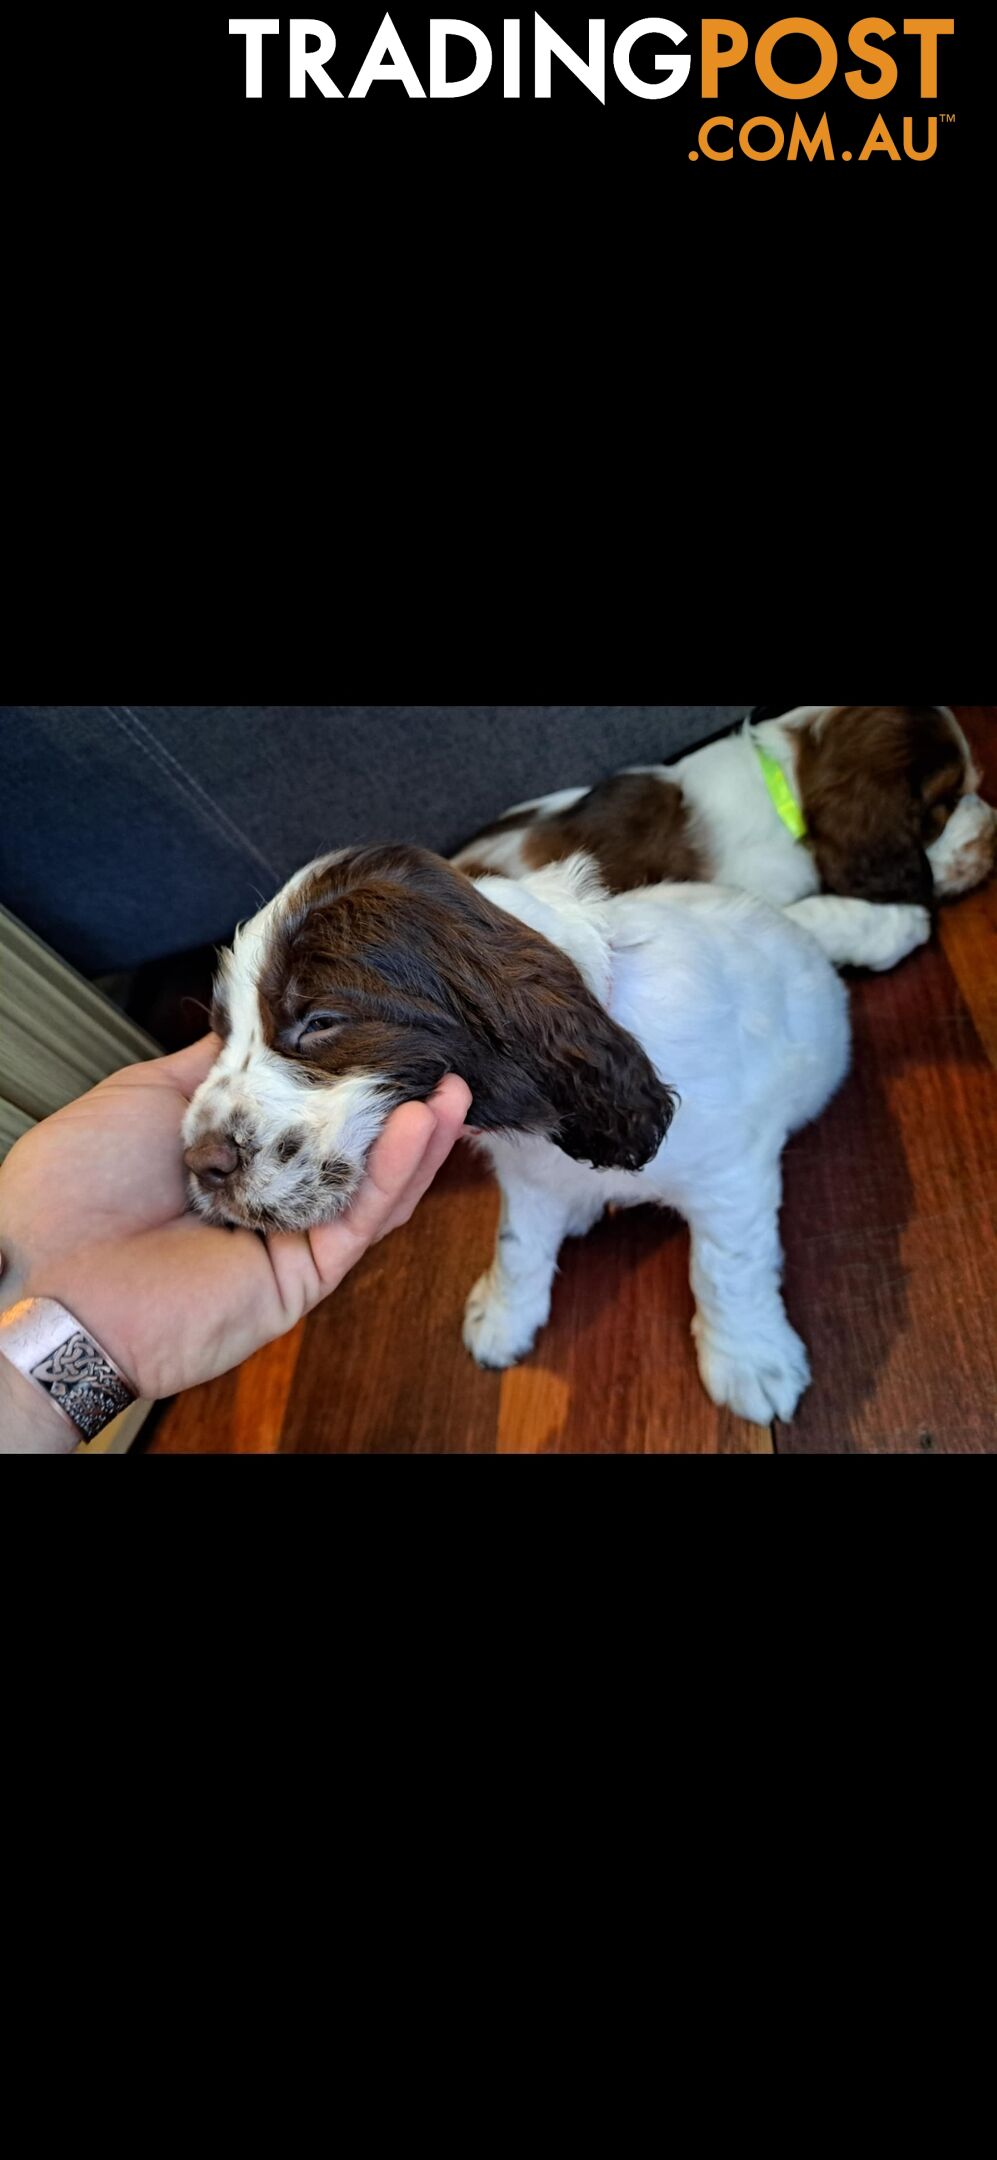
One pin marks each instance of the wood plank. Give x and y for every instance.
(614, 1371)
(382, 1368)
(200, 1422)
(262, 1391)
(240, 1414)
(890, 1229)
(969, 931)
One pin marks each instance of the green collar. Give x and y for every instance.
(782, 794)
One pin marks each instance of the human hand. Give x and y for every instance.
(93, 1212)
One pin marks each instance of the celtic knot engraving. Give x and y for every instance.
(79, 1378)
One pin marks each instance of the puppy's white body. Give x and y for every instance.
(740, 1011)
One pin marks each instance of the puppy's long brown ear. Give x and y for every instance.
(555, 1062)
(612, 1109)
(869, 856)
(863, 801)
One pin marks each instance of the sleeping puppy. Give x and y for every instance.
(855, 817)
(656, 1045)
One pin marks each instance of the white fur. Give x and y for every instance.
(739, 1010)
(749, 846)
(862, 933)
(965, 853)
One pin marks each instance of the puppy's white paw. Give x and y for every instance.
(496, 1333)
(967, 850)
(759, 1380)
(899, 931)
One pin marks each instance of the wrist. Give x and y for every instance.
(29, 1423)
(59, 1383)
(71, 1274)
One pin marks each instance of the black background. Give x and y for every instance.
(396, 400)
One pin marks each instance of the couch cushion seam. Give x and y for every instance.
(158, 755)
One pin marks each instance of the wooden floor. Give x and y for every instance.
(890, 1229)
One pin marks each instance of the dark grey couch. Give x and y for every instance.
(129, 832)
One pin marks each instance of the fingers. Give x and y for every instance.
(407, 1156)
(395, 1158)
(450, 1106)
(452, 1100)
(415, 1140)
(335, 1247)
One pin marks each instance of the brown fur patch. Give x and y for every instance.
(337, 1176)
(636, 826)
(289, 1146)
(878, 784)
(509, 822)
(470, 868)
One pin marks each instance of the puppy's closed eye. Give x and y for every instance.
(314, 1028)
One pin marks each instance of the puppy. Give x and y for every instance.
(655, 1045)
(857, 817)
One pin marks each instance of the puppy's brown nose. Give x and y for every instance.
(212, 1159)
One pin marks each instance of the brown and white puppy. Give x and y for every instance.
(654, 1046)
(886, 793)
(371, 975)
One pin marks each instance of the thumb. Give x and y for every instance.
(394, 1163)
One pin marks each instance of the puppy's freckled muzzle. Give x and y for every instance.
(287, 1181)
(316, 1199)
